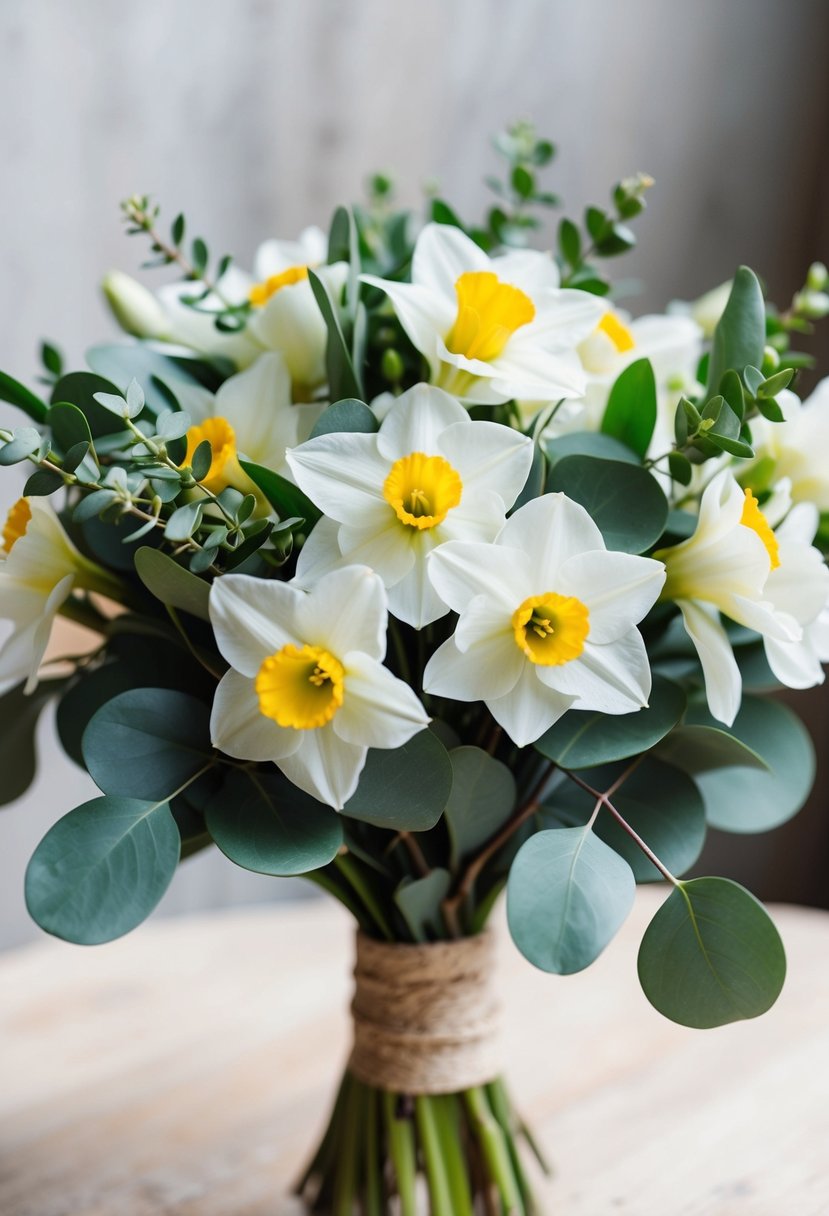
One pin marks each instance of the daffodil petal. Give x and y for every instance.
(532, 373)
(442, 254)
(613, 679)
(549, 530)
(378, 709)
(414, 598)
(528, 269)
(346, 610)
(529, 708)
(340, 472)
(417, 421)
(423, 316)
(618, 589)
(381, 542)
(479, 516)
(795, 664)
(723, 684)
(320, 552)
(325, 766)
(240, 729)
(490, 456)
(252, 618)
(491, 667)
(257, 404)
(461, 570)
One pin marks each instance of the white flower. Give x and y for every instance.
(307, 688)
(39, 567)
(725, 567)
(547, 620)
(492, 328)
(706, 310)
(796, 448)
(251, 413)
(429, 475)
(799, 586)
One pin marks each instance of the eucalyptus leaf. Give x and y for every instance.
(624, 500)
(584, 739)
(481, 801)
(347, 415)
(15, 393)
(699, 749)
(588, 443)
(102, 869)
(264, 823)
(285, 498)
(184, 521)
(147, 742)
(19, 714)
(630, 414)
(711, 955)
(740, 336)
(419, 903)
(24, 442)
(568, 894)
(405, 788)
(80, 389)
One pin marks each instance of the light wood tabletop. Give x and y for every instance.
(188, 1068)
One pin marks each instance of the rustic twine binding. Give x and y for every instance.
(426, 1017)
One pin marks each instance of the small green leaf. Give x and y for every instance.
(199, 255)
(569, 242)
(624, 500)
(419, 901)
(343, 379)
(102, 869)
(147, 742)
(740, 336)
(630, 415)
(171, 583)
(347, 415)
(264, 823)
(285, 498)
(201, 460)
(184, 521)
(405, 788)
(585, 739)
(42, 483)
(711, 955)
(25, 441)
(568, 894)
(481, 801)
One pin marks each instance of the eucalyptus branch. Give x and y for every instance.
(138, 211)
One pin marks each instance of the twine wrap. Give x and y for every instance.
(426, 1018)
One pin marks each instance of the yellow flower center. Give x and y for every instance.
(617, 332)
(260, 293)
(17, 521)
(300, 687)
(489, 313)
(752, 517)
(551, 628)
(222, 439)
(422, 489)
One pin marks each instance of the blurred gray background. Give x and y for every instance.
(257, 117)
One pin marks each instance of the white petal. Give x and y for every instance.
(257, 404)
(340, 473)
(614, 679)
(442, 254)
(529, 708)
(799, 586)
(378, 710)
(489, 668)
(534, 374)
(549, 530)
(460, 570)
(346, 611)
(320, 553)
(413, 598)
(489, 455)
(424, 315)
(563, 319)
(723, 683)
(417, 420)
(479, 516)
(23, 651)
(618, 589)
(382, 542)
(325, 766)
(765, 619)
(527, 269)
(795, 664)
(240, 729)
(252, 619)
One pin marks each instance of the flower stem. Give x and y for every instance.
(440, 1190)
(401, 1142)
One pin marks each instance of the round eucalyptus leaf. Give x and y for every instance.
(346, 415)
(701, 749)
(662, 805)
(264, 823)
(739, 799)
(568, 894)
(588, 443)
(583, 739)
(405, 788)
(419, 903)
(147, 742)
(624, 500)
(481, 800)
(711, 955)
(102, 869)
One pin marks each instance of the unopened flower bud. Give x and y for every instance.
(813, 305)
(135, 308)
(392, 366)
(771, 360)
(817, 277)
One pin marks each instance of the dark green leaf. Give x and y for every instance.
(347, 415)
(285, 498)
(69, 425)
(583, 739)
(343, 379)
(201, 460)
(740, 336)
(711, 955)
(51, 359)
(630, 415)
(680, 468)
(568, 894)
(481, 801)
(177, 229)
(569, 242)
(42, 483)
(122, 362)
(264, 823)
(171, 583)
(419, 902)
(102, 869)
(624, 500)
(147, 742)
(588, 443)
(19, 715)
(17, 394)
(700, 749)
(406, 788)
(79, 388)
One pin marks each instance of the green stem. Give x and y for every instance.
(440, 1190)
(401, 1141)
(374, 1175)
(323, 1158)
(501, 1109)
(447, 1119)
(345, 1183)
(328, 883)
(496, 1153)
(353, 874)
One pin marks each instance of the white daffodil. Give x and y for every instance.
(307, 688)
(725, 567)
(39, 568)
(429, 475)
(799, 586)
(251, 413)
(547, 620)
(492, 328)
(706, 310)
(796, 448)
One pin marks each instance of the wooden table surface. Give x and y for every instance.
(187, 1069)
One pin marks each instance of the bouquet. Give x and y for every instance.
(416, 566)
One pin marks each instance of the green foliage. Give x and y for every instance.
(481, 800)
(624, 500)
(287, 500)
(419, 900)
(17, 394)
(19, 715)
(703, 749)
(585, 739)
(404, 788)
(740, 334)
(346, 415)
(102, 869)
(568, 894)
(630, 415)
(264, 823)
(148, 743)
(587, 443)
(171, 583)
(343, 377)
(711, 955)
